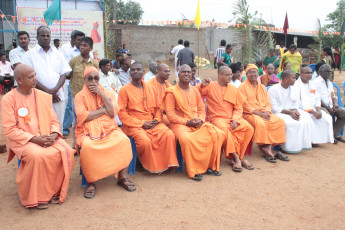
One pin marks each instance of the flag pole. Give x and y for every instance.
(285, 39)
(198, 55)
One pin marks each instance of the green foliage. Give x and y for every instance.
(253, 47)
(130, 11)
(336, 19)
(318, 40)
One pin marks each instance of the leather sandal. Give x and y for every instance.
(126, 184)
(42, 206)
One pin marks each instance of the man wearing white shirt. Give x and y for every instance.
(325, 88)
(69, 51)
(109, 80)
(285, 104)
(152, 73)
(50, 67)
(6, 72)
(175, 51)
(124, 75)
(16, 55)
(322, 124)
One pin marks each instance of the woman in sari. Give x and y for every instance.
(293, 57)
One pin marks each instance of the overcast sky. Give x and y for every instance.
(302, 14)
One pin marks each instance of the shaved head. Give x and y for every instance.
(160, 66)
(185, 67)
(25, 77)
(222, 69)
(22, 70)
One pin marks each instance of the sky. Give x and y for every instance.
(302, 14)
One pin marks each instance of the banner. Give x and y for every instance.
(89, 22)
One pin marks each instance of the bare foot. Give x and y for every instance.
(266, 149)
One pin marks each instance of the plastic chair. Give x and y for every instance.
(312, 66)
(340, 103)
(132, 166)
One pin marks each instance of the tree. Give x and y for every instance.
(130, 11)
(248, 21)
(336, 19)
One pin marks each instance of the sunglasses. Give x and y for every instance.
(96, 78)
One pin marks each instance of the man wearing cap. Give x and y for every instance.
(105, 149)
(268, 129)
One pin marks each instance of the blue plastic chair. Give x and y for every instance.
(132, 166)
(312, 66)
(340, 103)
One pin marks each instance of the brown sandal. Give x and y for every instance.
(42, 206)
(126, 184)
(55, 200)
(90, 194)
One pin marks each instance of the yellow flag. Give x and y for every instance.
(197, 18)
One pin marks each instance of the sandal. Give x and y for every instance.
(247, 166)
(281, 156)
(213, 172)
(126, 184)
(55, 200)
(197, 177)
(234, 168)
(90, 193)
(42, 206)
(270, 159)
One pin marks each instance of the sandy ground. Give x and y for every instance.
(305, 193)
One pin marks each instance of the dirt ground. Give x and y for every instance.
(305, 193)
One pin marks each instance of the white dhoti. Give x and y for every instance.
(322, 129)
(298, 133)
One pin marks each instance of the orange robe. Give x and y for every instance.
(105, 149)
(224, 104)
(201, 148)
(160, 91)
(43, 172)
(256, 98)
(156, 147)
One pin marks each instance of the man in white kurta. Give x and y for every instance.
(51, 69)
(322, 123)
(285, 104)
(175, 51)
(110, 81)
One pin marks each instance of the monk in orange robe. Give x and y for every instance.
(200, 141)
(105, 149)
(268, 129)
(224, 109)
(142, 119)
(160, 83)
(33, 135)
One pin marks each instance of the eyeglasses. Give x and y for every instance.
(96, 78)
(308, 72)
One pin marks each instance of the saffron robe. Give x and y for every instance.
(160, 91)
(201, 147)
(224, 104)
(270, 131)
(156, 147)
(105, 149)
(43, 172)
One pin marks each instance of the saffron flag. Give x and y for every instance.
(197, 18)
(286, 24)
(53, 12)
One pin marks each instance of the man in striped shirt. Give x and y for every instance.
(219, 52)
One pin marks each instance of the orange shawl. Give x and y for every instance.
(255, 98)
(85, 102)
